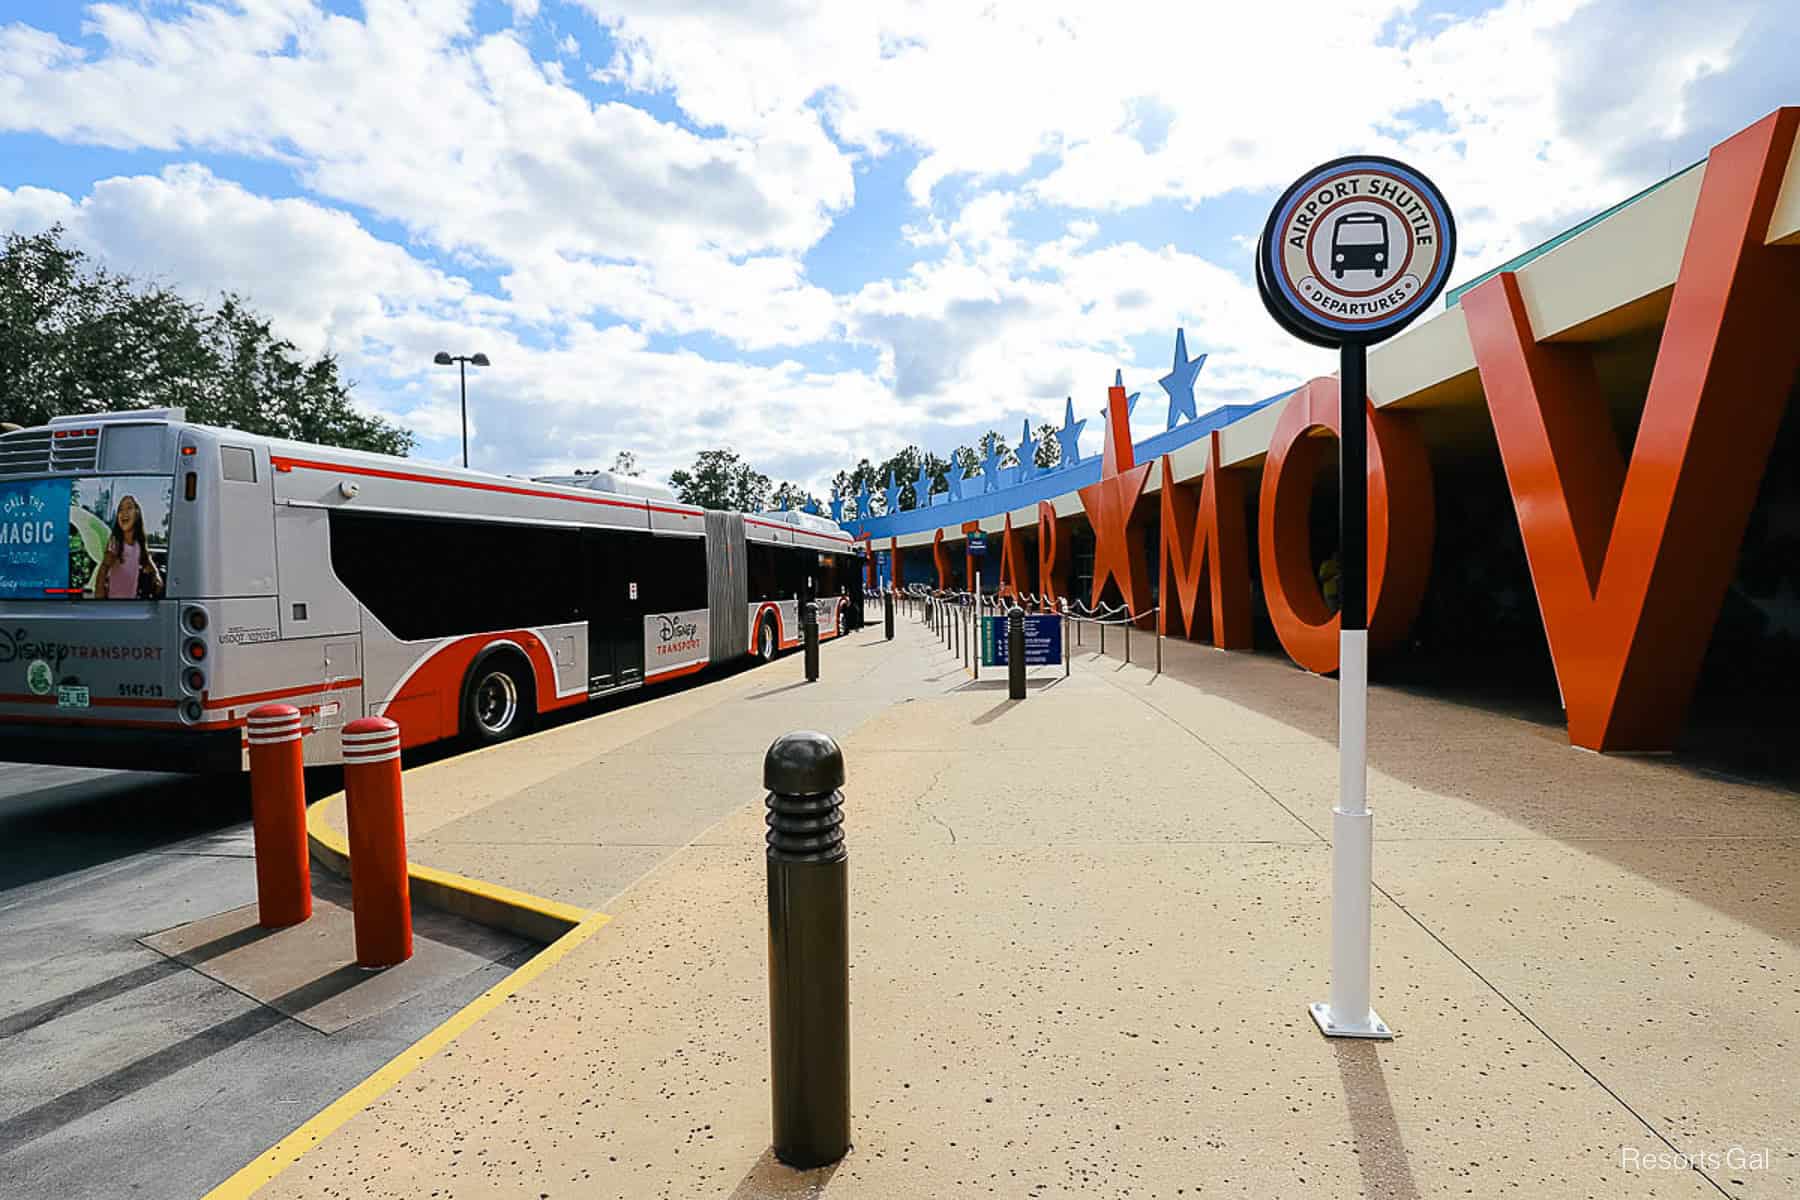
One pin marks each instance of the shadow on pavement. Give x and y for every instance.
(770, 1180)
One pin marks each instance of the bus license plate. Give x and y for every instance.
(71, 697)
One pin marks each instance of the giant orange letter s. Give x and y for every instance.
(1631, 563)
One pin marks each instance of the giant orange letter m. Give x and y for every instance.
(1631, 562)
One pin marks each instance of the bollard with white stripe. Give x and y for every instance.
(278, 816)
(380, 899)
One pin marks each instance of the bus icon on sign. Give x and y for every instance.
(1359, 242)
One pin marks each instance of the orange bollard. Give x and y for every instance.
(379, 896)
(278, 817)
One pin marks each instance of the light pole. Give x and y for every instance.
(445, 358)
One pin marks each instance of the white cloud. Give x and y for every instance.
(324, 279)
(467, 140)
(609, 226)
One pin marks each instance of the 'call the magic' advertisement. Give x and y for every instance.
(104, 538)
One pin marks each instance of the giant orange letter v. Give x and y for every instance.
(1631, 562)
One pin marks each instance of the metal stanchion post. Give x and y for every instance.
(887, 614)
(1015, 653)
(380, 900)
(809, 631)
(809, 950)
(278, 816)
(1127, 635)
(1159, 640)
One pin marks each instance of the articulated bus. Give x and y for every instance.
(159, 579)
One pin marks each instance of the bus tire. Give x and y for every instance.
(497, 700)
(765, 639)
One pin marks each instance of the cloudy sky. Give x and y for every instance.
(813, 230)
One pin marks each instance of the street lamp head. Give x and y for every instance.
(480, 360)
(443, 358)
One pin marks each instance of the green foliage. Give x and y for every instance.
(720, 479)
(1049, 450)
(793, 496)
(626, 463)
(80, 339)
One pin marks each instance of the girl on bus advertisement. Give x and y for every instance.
(120, 531)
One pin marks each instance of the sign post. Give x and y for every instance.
(978, 546)
(1353, 251)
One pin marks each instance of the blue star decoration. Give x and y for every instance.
(990, 467)
(837, 509)
(862, 502)
(891, 494)
(1131, 400)
(1179, 382)
(1069, 436)
(922, 488)
(812, 506)
(1026, 454)
(954, 477)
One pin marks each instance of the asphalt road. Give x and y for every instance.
(124, 1072)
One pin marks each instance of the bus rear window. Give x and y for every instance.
(128, 449)
(103, 538)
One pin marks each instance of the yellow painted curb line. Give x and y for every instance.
(486, 903)
(481, 902)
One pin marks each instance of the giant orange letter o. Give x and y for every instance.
(1401, 523)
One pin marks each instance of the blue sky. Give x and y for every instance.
(812, 232)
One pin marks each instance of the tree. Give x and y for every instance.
(626, 463)
(720, 479)
(791, 495)
(986, 445)
(1049, 450)
(80, 339)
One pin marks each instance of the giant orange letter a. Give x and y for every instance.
(1631, 562)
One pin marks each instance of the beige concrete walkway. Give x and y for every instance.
(1085, 928)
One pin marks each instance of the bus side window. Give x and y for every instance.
(764, 584)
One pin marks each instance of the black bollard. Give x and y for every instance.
(809, 632)
(1015, 653)
(809, 950)
(887, 614)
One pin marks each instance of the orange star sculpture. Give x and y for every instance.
(1111, 507)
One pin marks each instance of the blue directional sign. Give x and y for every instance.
(977, 544)
(1043, 640)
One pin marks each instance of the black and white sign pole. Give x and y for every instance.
(1352, 253)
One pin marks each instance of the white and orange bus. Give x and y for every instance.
(159, 579)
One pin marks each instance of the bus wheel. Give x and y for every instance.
(765, 640)
(496, 700)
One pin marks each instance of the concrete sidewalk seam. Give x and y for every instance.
(1544, 1033)
(1447, 948)
(479, 901)
(272, 1162)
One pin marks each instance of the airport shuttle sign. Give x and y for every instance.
(1354, 250)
